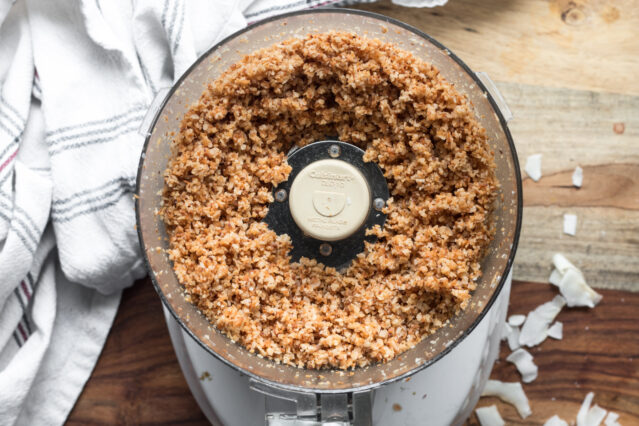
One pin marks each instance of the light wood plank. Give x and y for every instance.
(573, 127)
(606, 185)
(570, 128)
(582, 44)
(606, 246)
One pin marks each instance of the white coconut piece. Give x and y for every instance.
(570, 224)
(511, 334)
(562, 264)
(524, 363)
(549, 310)
(516, 320)
(513, 338)
(582, 415)
(578, 177)
(555, 277)
(556, 331)
(572, 285)
(489, 416)
(511, 393)
(574, 289)
(611, 419)
(555, 421)
(595, 416)
(535, 328)
(533, 166)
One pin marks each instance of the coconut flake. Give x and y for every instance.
(555, 277)
(575, 290)
(595, 415)
(525, 365)
(562, 264)
(582, 415)
(533, 166)
(572, 284)
(511, 393)
(511, 334)
(555, 421)
(578, 177)
(513, 338)
(489, 416)
(611, 419)
(556, 331)
(535, 328)
(570, 224)
(516, 320)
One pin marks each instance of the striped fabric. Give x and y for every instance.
(264, 9)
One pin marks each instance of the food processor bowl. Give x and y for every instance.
(266, 375)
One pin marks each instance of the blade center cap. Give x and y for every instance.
(329, 200)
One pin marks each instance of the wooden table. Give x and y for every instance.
(569, 70)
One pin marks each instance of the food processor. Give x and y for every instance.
(438, 381)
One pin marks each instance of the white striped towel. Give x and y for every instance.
(76, 78)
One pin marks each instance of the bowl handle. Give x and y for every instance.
(336, 409)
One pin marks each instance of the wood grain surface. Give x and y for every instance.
(577, 128)
(138, 380)
(599, 353)
(569, 71)
(578, 44)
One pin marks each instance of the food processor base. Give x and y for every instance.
(442, 394)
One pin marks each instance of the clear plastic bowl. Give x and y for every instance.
(496, 263)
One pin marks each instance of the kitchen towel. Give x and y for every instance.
(76, 78)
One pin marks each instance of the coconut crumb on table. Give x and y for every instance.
(231, 151)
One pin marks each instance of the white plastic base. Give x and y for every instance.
(442, 394)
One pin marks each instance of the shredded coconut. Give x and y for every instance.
(611, 419)
(570, 224)
(556, 331)
(578, 177)
(525, 365)
(516, 320)
(596, 414)
(511, 393)
(513, 339)
(511, 334)
(489, 416)
(533, 166)
(572, 284)
(555, 421)
(535, 329)
(582, 415)
(576, 292)
(561, 263)
(555, 277)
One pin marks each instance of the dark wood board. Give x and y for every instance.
(137, 379)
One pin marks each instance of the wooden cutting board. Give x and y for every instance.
(569, 70)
